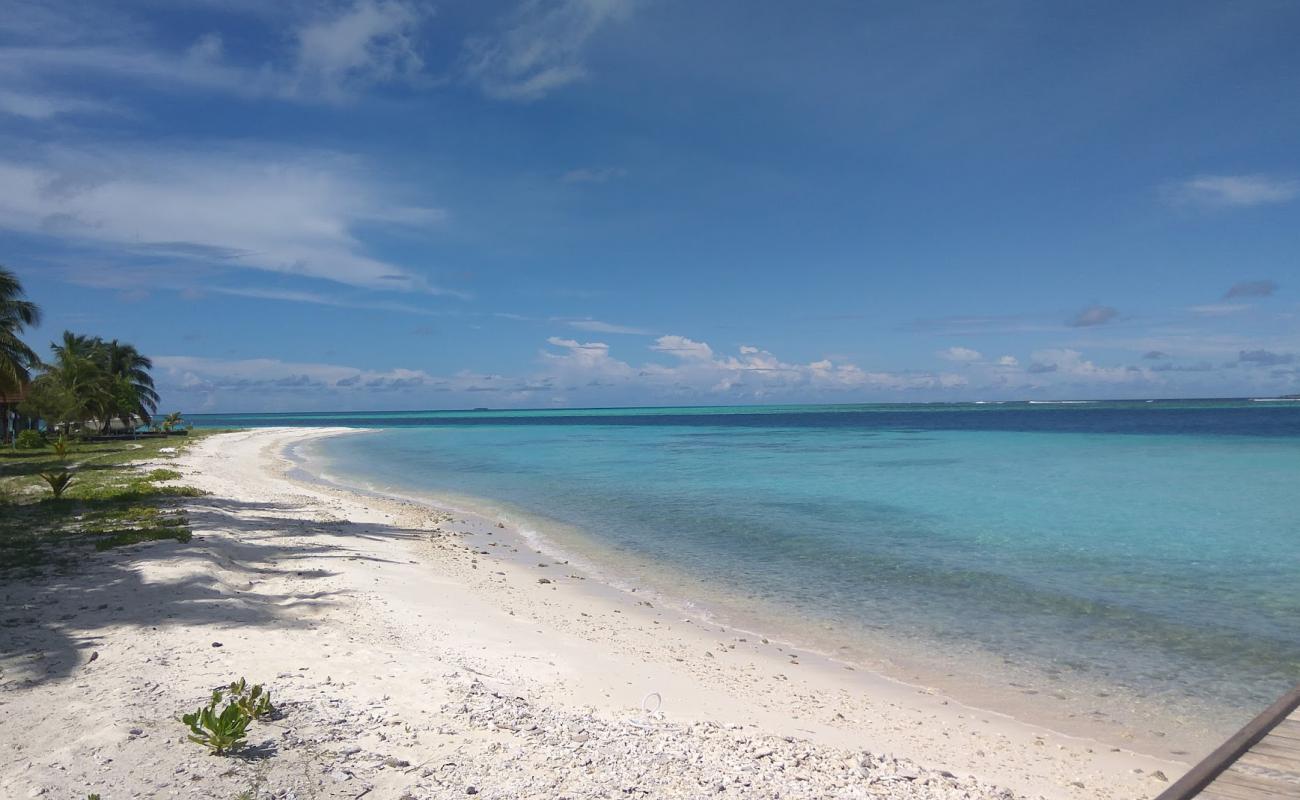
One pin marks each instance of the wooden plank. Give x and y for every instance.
(1288, 766)
(1262, 787)
(1276, 748)
(1229, 791)
(1199, 777)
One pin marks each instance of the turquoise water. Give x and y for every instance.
(1153, 547)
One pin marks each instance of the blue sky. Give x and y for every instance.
(388, 204)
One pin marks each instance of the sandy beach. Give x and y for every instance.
(420, 653)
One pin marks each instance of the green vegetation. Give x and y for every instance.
(58, 481)
(29, 440)
(17, 360)
(92, 381)
(221, 732)
(254, 700)
(224, 731)
(109, 503)
(90, 384)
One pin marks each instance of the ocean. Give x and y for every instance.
(1130, 562)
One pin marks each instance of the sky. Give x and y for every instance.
(391, 204)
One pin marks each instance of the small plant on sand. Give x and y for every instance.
(58, 481)
(254, 700)
(224, 731)
(220, 732)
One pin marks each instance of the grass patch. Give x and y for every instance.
(110, 503)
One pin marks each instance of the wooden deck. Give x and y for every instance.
(1260, 762)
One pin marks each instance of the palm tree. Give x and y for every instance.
(124, 361)
(107, 380)
(16, 359)
(80, 375)
(16, 313)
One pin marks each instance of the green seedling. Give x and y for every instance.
(254, 700)
(58, 481)
(219, 732)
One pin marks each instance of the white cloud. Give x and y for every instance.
(571, 371)
(214, 382)
(372, 42)
(1072, 365)
(334, 55)
(1233, 190)
(960, 354)
(596, 326)
(539, 47)
(293, 213)
(43, 105)
(685, 348)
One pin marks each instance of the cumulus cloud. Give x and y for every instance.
(1251, 289)
(1225, 191)
(677, 369)
(960, 354)
(1072, 364)
(539, 48)
(1092, 315)
(685, 348)
(289, 212)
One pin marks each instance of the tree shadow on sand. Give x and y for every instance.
(48, 624)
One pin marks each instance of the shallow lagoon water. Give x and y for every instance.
(1146, 549)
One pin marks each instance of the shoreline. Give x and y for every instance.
(827, 670)
(1050, 696)
(389, 627)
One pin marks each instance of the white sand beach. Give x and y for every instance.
(417, 653)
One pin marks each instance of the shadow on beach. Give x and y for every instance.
(50, 624)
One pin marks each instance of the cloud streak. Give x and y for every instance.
(1233, 191)
(539, 48)
(292, 213)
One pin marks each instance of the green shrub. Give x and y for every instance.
(254, 700)
(219, 732)
(225, 731)
(29, 440)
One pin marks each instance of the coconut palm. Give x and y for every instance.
(16, 359)
(107, 380)
(125, 362)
